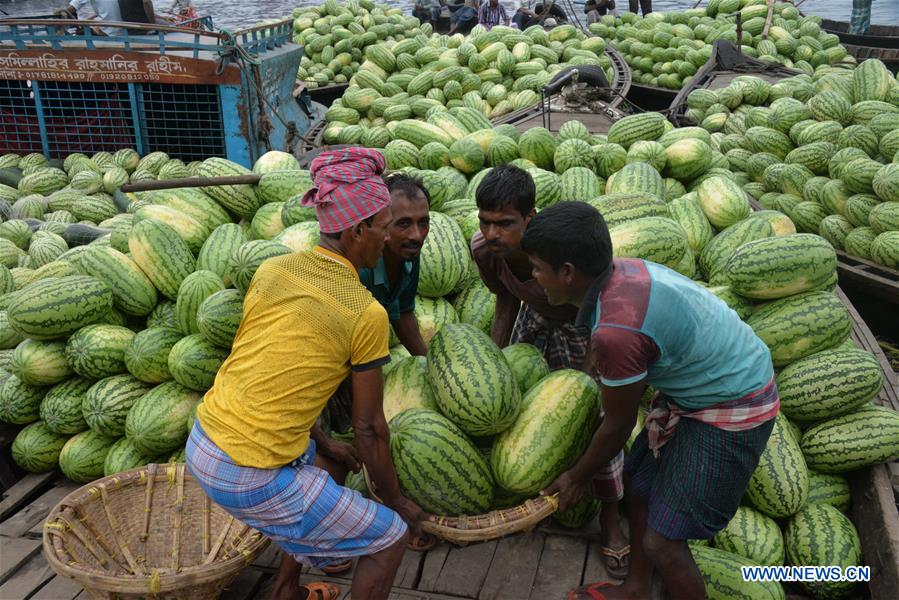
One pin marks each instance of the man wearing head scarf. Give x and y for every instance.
(308, 324)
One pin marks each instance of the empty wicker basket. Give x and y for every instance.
(148, 533)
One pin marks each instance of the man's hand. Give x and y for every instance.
(341, 452)
(411, 513)
(571, 490)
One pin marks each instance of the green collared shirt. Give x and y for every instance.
(395, 301)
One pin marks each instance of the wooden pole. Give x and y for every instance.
(768, 19)
(167, 184)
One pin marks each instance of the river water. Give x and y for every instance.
(239, 13)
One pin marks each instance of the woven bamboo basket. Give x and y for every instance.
(149, 532)
(489, 526)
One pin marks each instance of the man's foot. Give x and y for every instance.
(318, 590)
(607, 591)
(615, 547)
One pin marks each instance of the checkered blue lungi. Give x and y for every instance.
(860, 19)
(298, 505)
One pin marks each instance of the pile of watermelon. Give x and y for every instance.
(822, 149)
(335, 37)
(492, 72)
(666, 49)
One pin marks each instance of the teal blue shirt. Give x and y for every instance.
(395, 301)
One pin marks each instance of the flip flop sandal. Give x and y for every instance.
(338, 567)
(616, 561)
(422, 543)
(322, 590)
(591, 590)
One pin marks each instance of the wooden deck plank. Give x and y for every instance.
(514, 567)
(28, 578)
(22, 491)
(34, 514)
(433, 564)
(561, 567)
(874, 515)
(409, 570)
(465, 570)
(60, 588)
(16, 552)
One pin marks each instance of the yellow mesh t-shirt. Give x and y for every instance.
(307, 321)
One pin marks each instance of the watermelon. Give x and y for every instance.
(218, 248)
(195, 288)
(723, 201)
(527, 364)
(721, 572)
(475, 305)
(644, 126)
(40, 363)
(162, 255)
(249, 257)
(801, 325)
(20, 403)
(537, 145)
(687, 159)
(240, 199)
(107, 402)
(36, 448)
(82, 457)
(123, 456)
(553, 430)
(444, 258)
(637, 178)
(193, 362)
(472, 382)
(37, 312)
(779, 485)
(61, 407)
(432, 314)
(219, 316)
(828, 488)
(656, 239)
(406, 386)
(780, 266)
(437, 466)
(579, 515)
(155, 423)
(819, 534)
(98, 351)
(752, 535)
(829, 384)
(132, 291)
(865, 437)
(147, 356)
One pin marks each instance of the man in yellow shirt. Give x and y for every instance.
(308, 324)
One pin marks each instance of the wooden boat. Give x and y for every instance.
(881, 42)
(542, 564)
(327, 94)
(726, 63)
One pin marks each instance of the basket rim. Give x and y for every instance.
(132, 583)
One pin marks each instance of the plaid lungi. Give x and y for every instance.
(564, 346)
(695, 485)
(298, 505)
(860, 19)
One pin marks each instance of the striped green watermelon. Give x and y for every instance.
(742, 306)
(723, 202)
(193, 203)
(61, 407)
(56, 307)
(36, 448)
(432, 314)
(267, 222)
(107, 402)
(829, 384)
(444, 258)
(723, 577)
(779, 485)
(865, 437)
(132, 291)
(656, 239)
(780, 266)
(527, 364)
(82, 457)
(834, 229)
(437, 466)
(181, 457)
(20, 403)
(828, 488)
(537, 145)
(651, 153)
(687, 212)
(801, 325)
(191, 231)
(579, 515)
(871, 80)
(195, 288)
(300, 237)
(218, 248)
(40, 362)
(239, 199)
(609, 158)
(98, 351)
(219, 316)
(752, 535)
(579, 183)
(123, 456)
(885, 249)
(472, 381)
(644, 126)
(406, 386)
(162, 255)
(283, 184)
(819, 534)
(475, 305)
(193, 362)
(687, 159)
(291, 213)
(637, 178)
(249, 257)
(155, 424)
(553, 430)
(573, 153)
(147, 356)
(858, 242)
(619, 208)
(548, 187)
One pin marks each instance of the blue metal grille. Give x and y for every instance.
(184, 121)
(19, 127)
(86, 117)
